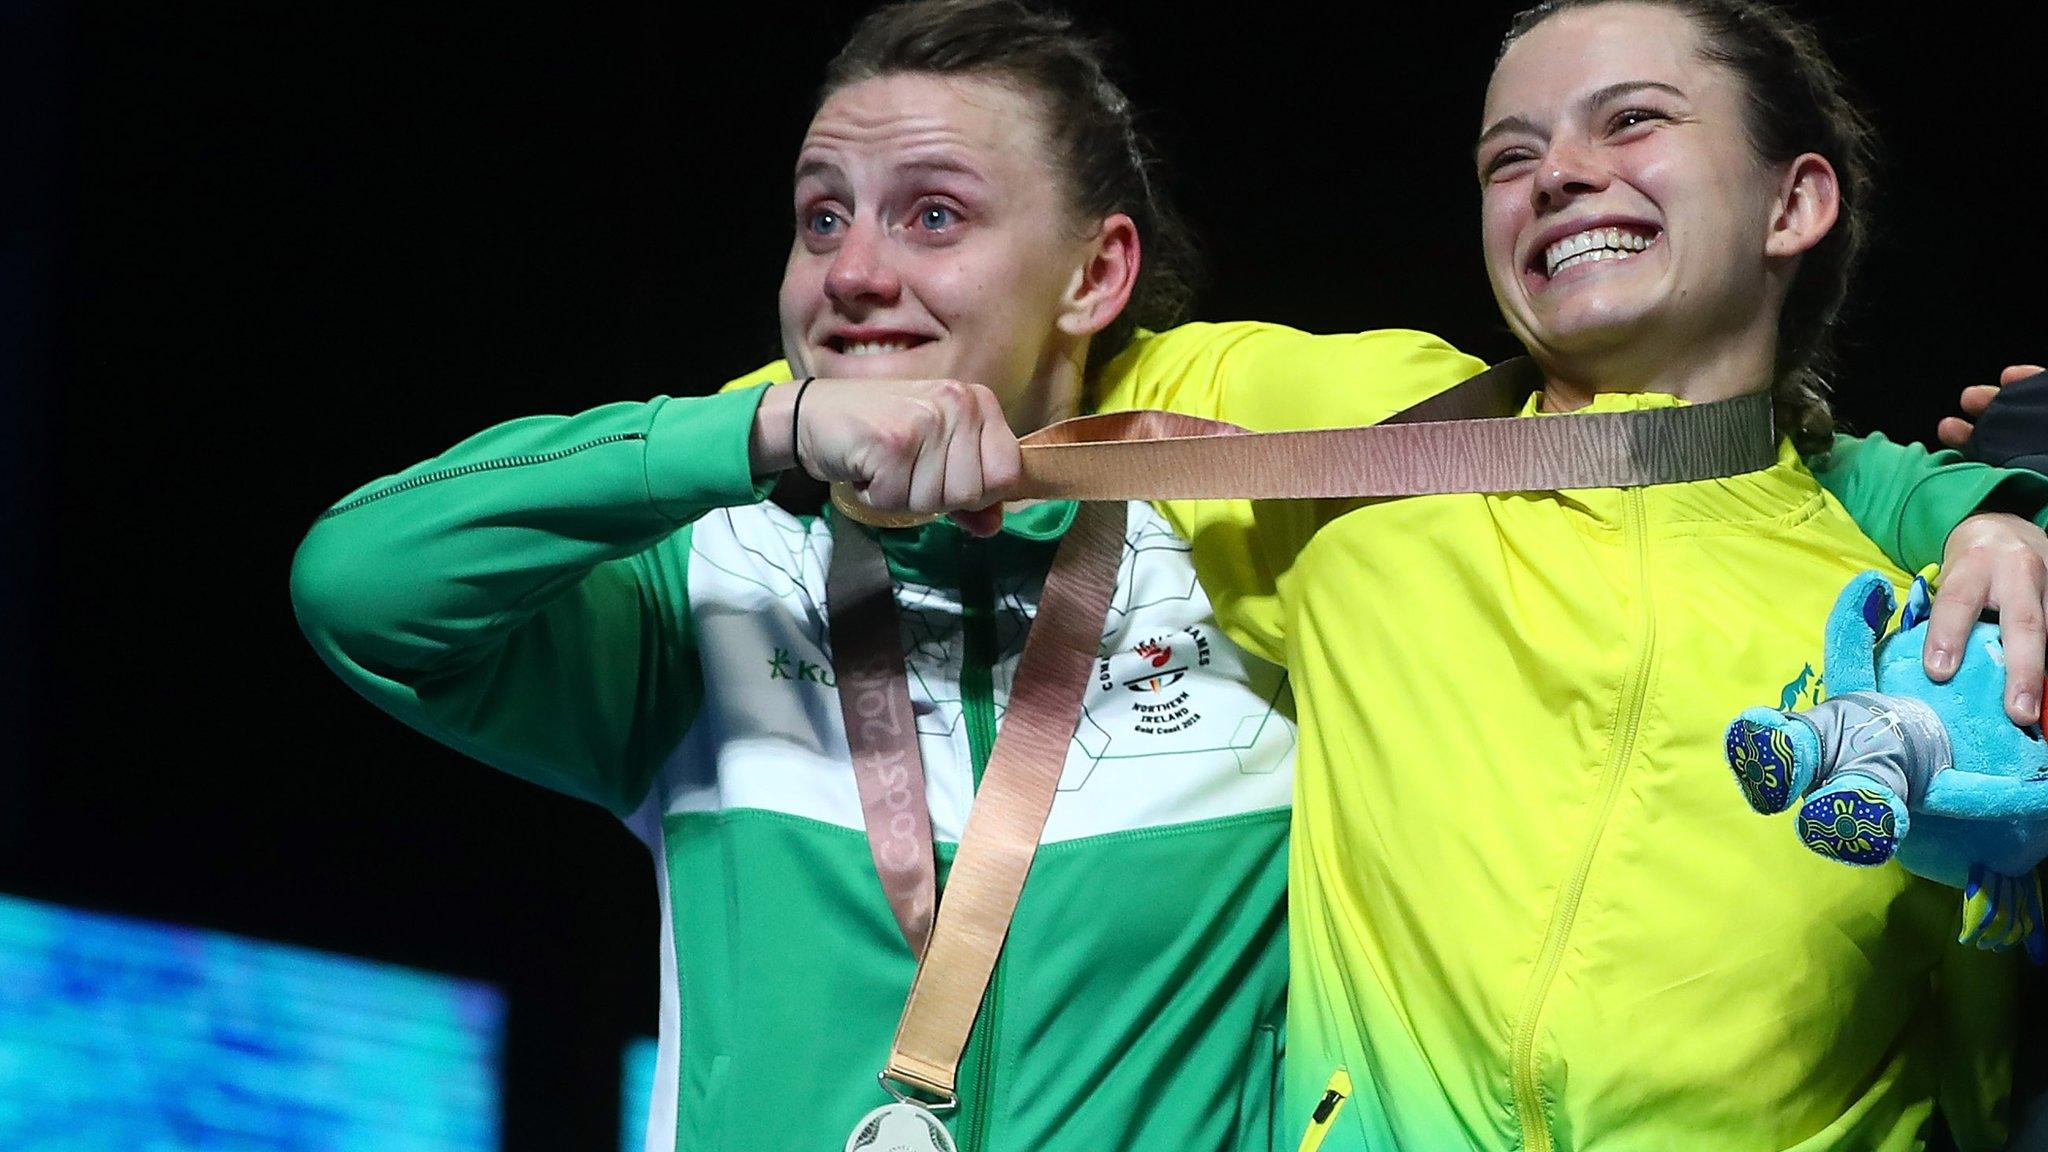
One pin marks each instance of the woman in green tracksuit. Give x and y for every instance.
(605, 605)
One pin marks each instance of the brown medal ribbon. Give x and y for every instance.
(1462, 440)
(881, 731)
(1017, 789)
(1466, 438)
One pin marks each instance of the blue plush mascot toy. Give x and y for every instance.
(1892, 763)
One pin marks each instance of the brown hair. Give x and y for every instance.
(1108, 164)
(1798, 102)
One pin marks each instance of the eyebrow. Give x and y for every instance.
(945, 164)
(1512, 124)
(810, 168)
(822, 168)
(1504, 127)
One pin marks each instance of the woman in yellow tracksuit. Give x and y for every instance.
(1528, 906)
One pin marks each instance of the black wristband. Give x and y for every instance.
(796, 412)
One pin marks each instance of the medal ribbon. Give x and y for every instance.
(1017, 789)
(1464, 439)
(881, 731)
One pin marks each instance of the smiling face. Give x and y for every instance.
(934, 239)
(1627, 218)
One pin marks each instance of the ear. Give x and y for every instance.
(1809, 202)
(1102, 284)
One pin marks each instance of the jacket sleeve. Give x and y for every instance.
(1908, 499)
(523, 596)
(1270, 378)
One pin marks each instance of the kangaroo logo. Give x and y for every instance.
(1805, 691)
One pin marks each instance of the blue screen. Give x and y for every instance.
(120, 1035)
(637, 1086)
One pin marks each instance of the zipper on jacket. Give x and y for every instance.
(1522, 1055)
(977, 699)
(977, 665)
(474, 467)
(1320, 1122)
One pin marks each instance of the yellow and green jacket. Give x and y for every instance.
(1528, 907)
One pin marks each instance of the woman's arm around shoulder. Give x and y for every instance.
(1982, 524)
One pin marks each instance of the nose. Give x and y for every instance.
(860, 271)
(1568, 171)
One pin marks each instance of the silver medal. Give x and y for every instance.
(900, 1127)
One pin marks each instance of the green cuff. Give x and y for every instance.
(696, 456)
(1944, 499)
(2024, 493)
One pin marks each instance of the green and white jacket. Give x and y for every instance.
(604, 604)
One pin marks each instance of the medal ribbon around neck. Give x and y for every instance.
(1464, 439)
(957, 945)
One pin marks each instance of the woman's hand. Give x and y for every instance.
(903, 445)
(1956, 431)
(2000, 561)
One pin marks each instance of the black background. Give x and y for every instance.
(265, 252)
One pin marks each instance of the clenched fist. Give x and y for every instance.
(922, 446)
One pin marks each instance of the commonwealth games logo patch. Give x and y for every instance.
(1148, 675)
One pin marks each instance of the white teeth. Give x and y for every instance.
(1592, 257)
(875, 347)
(1593, 245)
